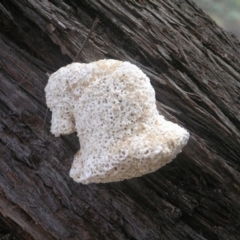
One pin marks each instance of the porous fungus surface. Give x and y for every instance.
(111, 105)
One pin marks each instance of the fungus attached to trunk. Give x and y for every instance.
(111, 105)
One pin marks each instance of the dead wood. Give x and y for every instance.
(195, 69)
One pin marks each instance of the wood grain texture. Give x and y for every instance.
(195, 69)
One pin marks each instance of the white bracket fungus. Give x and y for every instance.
(111, 105)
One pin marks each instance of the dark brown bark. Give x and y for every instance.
(194, 67)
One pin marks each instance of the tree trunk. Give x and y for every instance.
(195, 69)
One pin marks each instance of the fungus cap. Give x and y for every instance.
(111, 105)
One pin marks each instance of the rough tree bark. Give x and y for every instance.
(195, 69)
